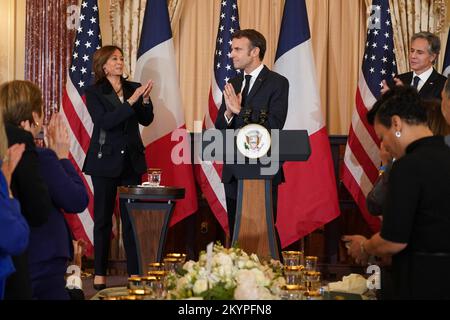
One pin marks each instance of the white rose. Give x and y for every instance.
(246, 291)
(189, 266)
(245, 277)
(201, 285)
(222, 260)
(259, 277)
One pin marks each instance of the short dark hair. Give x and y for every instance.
(256, 39)
(434, 43)
(402, 101)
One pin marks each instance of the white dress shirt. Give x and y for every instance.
(423, 78)
(255, 73)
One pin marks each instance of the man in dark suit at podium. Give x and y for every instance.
(423, 54)
(256, 95)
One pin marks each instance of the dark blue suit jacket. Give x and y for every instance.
(53, 239)
(431, 89)
(269, 92)
(121, 122)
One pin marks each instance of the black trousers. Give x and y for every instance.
(105, 190)
(231, 196)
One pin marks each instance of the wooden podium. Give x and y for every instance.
(254, 229)
(150, 210)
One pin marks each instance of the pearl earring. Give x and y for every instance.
(398, 134)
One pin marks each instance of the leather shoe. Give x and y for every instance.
(99, 286)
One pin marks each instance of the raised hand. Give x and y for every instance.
(386, 88)
(11, 159)
(148, 89)
(142, 91)
(232, 100)
(58, 136)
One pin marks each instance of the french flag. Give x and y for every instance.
(156, 61)
(308, 199)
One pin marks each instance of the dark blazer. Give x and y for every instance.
(120, 122)
(26, 183)
(53, 239)
(29, 188)
(270, 92)
(431, 89)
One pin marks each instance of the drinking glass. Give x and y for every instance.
(292, 258)
(154, 176)
(311, 263)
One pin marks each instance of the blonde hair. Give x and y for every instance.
(18, 100)
(3, 138)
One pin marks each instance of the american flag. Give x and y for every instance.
(87, 41)
(209, 174)
(361, 160)
(446, 67)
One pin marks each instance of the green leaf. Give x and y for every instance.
(219, 292)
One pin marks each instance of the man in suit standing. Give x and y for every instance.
(256, 91)
(423, 54)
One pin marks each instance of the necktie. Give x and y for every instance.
(416, 82)
(246, 89)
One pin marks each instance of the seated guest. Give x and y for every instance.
(20, 102)
(416, 216)
(423, 55)
(14, 229)
(51, 246)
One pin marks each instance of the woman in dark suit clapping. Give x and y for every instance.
(21, 106)
(116, 152)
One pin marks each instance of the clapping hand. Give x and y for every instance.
(11, 159)
(143, 91)
(232, 100)
(386, 88)
(57, 136)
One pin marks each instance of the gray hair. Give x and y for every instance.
(434, 43)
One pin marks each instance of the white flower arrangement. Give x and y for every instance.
(227, 274)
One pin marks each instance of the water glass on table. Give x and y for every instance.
(154, 177)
